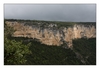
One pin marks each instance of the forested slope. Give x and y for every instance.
(28, 51)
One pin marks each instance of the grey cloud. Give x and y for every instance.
(53, 12)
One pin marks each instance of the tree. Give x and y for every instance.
(8, 31)
(14, 51)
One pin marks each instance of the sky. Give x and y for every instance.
(51, 12)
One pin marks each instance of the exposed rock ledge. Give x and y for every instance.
(51, 36)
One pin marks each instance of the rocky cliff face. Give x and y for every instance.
(51, 35)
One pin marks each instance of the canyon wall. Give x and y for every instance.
(51, 35)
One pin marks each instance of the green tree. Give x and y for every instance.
(8, 31)
(14, 51)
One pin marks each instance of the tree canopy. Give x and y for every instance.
(14, 51)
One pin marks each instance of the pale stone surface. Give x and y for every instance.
(49, 37)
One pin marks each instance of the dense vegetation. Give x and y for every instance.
(44, 23)
(49, 55)
(18, 50)
(87, 49)
(57, 55)
(14, 51)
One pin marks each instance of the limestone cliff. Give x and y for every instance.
(51, 35)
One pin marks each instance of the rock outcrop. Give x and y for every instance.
(51, 35)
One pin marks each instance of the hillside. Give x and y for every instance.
(83, 53)
(52, 34)
(56, 43)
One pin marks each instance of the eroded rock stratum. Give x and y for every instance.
(51, 35)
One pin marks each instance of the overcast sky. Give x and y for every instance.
(51, 12)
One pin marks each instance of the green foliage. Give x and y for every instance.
(49, 55)
(14, 51)
(8, 31)
(87, 49)
(44, 23)
(56, 55)
(17, 50)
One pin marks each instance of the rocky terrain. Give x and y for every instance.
(50, 34)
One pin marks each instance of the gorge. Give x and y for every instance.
(50, 34)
